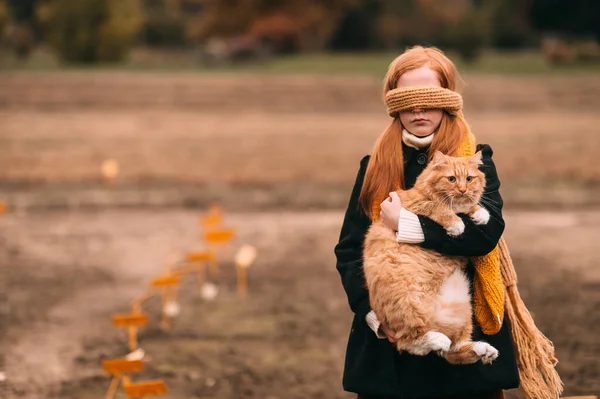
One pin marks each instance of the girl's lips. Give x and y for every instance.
(420, 121)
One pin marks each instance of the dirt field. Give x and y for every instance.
(281, 155)
(70, 271)
(281, 142)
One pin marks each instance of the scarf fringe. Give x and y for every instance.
(535, 352)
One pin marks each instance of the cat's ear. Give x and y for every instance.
(439, 159)
(476, 159)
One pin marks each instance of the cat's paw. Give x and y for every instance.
(437, 341)
(456, 229)
(482, 216)
(486, 352)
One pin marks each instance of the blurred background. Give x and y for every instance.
(122, 121)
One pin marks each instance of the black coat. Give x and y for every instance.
(373, 366)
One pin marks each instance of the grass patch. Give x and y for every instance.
(372, 64)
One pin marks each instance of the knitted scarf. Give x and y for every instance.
(495, 283)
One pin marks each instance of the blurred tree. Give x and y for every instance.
(358, 28)
(23, 10)
(469, 34)
(164, 24)
(311, 22)
(568, 17)
(426, 22)
(5, 17)
(279, 32)
(22, 31)
(510, 25)
(164, 30)
(93, 30)
(191, 7)
(395, 22)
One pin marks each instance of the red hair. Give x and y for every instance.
(385, 172)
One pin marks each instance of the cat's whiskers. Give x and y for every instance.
(489, 204)
(446, 199)
(489, 201)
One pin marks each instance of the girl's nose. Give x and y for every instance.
(418, 110)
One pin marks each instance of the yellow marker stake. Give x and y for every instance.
(168, 285)
(164, 322)
(117, 368)
(210, 220)
(243, 259)
(133, 321)
(214, 238)
(139, 301)
(198, 262)
(199, 269)
(213, 217)
(112, 388)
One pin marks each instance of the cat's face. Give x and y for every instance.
(456, 180)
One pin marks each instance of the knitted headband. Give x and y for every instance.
(407, 98)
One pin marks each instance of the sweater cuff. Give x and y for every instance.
(374, 323)
(409, 228)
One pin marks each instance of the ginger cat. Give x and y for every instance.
(422, 295)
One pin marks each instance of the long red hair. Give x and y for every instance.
(385, 172)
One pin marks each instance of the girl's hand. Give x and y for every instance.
(389, 333)
(390, 211)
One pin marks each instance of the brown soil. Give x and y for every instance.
(68, 272)
(281, 155)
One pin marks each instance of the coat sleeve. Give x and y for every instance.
(477, 240)
(349, 249)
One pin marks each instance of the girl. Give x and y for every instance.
(373, 367)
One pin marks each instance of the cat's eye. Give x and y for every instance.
(451, 179)
(469, 178)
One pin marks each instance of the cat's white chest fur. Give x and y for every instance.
(454, 290)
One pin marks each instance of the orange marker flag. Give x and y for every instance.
(144, 388)
(213, 217)
(117, 368)
(133, 321)
(219, 236)
(166, 280)
(122, 366)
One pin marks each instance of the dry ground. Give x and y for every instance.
(69, 272)
(281, 154)
(296, 140)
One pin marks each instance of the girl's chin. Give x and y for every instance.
(420, 131)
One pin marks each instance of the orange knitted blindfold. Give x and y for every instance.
(408, 98)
